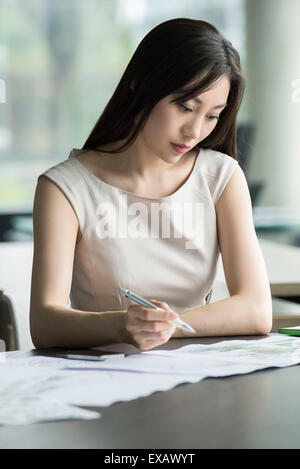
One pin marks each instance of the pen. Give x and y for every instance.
(138, 299)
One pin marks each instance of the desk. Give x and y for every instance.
(283, 267)
(256, 410)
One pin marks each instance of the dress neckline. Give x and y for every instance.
(75, 151)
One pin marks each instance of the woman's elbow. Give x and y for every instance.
(39, 336)
(264, 317)
(38, 339)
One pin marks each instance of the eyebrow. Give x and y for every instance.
(216, 107)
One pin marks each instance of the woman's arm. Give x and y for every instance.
(52, 323)
(248, 310)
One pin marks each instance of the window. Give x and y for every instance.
(60, 61)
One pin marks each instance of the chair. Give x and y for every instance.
(245, 138)
(8, 327)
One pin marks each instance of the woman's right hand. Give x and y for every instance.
(149, 327)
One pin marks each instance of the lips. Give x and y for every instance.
(179, 149)
(181, 146)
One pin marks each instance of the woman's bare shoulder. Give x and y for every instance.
(49, 197)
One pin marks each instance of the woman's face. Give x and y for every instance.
(186, 123)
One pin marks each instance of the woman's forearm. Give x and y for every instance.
(235, 315)
(57, 326)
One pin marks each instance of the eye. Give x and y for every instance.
(185, 108)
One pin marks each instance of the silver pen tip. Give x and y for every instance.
(188, 328)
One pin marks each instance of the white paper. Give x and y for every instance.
(221, 359)
(40, 361)
(29, 408)
(23, 400)
(103, 388)
(47, 384)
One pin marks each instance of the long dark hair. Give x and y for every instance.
(170, 56)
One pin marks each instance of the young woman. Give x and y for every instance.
(148, 203)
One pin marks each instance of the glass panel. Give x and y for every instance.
(60, 61)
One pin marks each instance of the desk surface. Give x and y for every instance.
(283, 266)
(256, 410)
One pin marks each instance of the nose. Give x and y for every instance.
(193, 128)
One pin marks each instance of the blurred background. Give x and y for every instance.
(60, 61)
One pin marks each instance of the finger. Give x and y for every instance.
(150, 314)
(149, 344)
(161, 304)
(157, 339)
(164, 313)
(153, 326)
(148, 341)
(136, 311)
